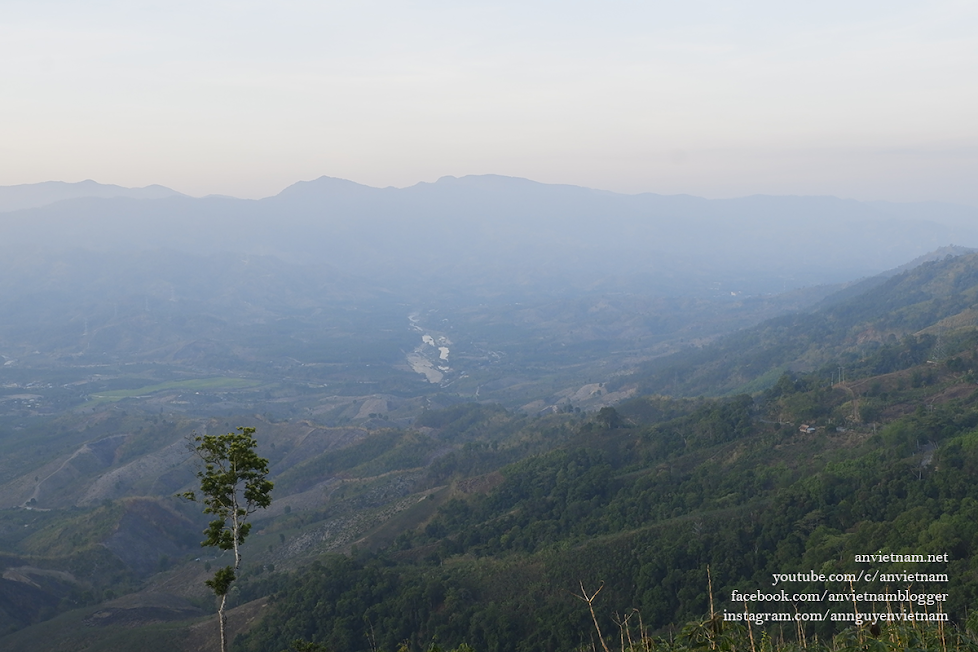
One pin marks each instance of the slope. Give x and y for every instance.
(931, 299)
(478, 525)
(646, 497)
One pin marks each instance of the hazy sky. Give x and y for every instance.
(854, 98)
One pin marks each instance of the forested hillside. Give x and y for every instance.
(934, 298)
(646, 507)
(820, 467)
(485, 527)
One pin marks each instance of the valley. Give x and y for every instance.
(455, 465)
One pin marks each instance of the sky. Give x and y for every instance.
(868, 100)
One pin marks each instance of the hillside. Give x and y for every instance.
(645, 509)
(935, 299)
(645, 498)
(479, 525)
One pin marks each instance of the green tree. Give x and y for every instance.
(233, 485)
(609, 418)
(300, 645)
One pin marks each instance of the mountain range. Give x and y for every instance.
(488, 236)
(34, 195)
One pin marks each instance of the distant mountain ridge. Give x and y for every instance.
(488, 235)
(35, 195)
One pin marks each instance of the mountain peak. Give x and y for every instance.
(321, 186)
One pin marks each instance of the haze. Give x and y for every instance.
(872, 101)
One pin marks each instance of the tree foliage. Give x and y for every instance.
(233, 485)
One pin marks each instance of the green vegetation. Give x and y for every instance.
(897, 323)
(74, 630)
(649, 499)
(181, 385)
(233, 485)
(730, 484)
(848, 431)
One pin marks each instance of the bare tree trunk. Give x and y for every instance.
(223, 619)
(589, 599)
(235, 530)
